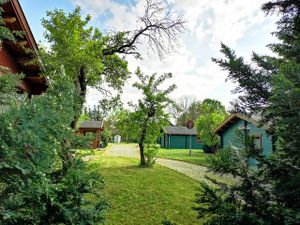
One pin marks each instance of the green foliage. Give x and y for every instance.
(267, 193)
(213, 114)
(151, 151)
(105, 138)
(77, 48)
(83, 117)
(8, 89)
(42, 181)
(149, 117)
(167, 222)
(5, 33)
(122, 124)
(188, 108)
(105, 106)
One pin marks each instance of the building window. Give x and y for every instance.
(198, 141)
(258, 142)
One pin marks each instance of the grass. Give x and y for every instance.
(145, 196)
(198, 156)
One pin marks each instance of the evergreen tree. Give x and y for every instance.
(42, 180)
(270, 192)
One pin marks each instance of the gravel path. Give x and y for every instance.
(191, 170)
(123, 150)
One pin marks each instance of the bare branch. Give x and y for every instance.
(159, 27)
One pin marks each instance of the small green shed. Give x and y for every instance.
(179, 138)
(232, 130)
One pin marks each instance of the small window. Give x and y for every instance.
(258, 142)
(198, 141)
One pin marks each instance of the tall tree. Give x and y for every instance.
(91, 58)
(268, 193)
(42, 181)
(185, 109)
(121, 124)
(101, 111)
(188, 108)
(149, 117)
(212, 113)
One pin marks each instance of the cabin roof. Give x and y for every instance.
(254, 119)
(26, 62)
(173, 130)
(91, 124)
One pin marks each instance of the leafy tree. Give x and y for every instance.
(42, 181)
(91, 58)
(149, 117)
(121, 124)
(268, 193)
(105, 138)
(105, 106)
(186, 108)
(212, 105)
(207, 122)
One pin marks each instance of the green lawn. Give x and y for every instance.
(198, 156)
(145, 196)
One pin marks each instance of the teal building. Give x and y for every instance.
(232, 132)
(180, 138)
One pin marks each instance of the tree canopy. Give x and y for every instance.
(91, 58)
(149, 114)
(269, 192)
(212, 114)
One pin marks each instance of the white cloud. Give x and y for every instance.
(240, 24)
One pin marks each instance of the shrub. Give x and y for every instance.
(42, 181)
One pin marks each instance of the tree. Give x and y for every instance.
(185, 109)
(105, 106)
(268, 193)
(188, 108)
(149, 117)
(180, 110)
(212, 114)
(90, 58)
(42, 181)
(122, 125)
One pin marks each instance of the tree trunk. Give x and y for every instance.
(82, 83)
(141, 145)
(142, 161)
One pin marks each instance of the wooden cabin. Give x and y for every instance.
(180, 138)
(234, 128)
(17, 57)
(95, 127)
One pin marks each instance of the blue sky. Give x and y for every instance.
(35, 10)
(238, 23)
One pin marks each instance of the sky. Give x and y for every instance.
(240, 24)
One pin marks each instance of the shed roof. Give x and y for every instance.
(91, 124)
(180, 130)
(254, 119)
